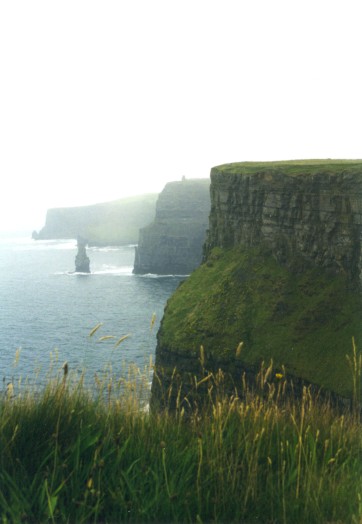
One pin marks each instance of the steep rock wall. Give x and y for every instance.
(281, 278)
(172, 243)
(310, 210)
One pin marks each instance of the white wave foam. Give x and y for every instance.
(106, 249)
(155, 275)
(111, 270)
(103, 249)
(71, 273)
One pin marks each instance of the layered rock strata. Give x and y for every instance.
(172, 243)
(280, 279)
(308, 210)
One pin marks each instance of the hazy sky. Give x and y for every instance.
(100, 100)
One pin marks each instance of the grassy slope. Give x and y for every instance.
(303, 320)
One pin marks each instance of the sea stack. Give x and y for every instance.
(82, 260)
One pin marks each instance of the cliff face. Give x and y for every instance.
(172, 243)
(313, 211)
(281, 275)
(109, 223)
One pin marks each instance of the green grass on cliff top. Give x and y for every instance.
(304, 320)
(290, 166)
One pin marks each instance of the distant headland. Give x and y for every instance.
(110, 223)
(169, 229)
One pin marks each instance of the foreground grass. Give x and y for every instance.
(68, 456)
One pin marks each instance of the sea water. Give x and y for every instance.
(47, 311)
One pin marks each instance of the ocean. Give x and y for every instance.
(48, 311)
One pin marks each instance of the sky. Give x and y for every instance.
(101, 100)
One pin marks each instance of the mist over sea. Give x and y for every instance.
(47, 311)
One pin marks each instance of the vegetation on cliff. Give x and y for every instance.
(281, 277)
(301, 317)
(291, 167)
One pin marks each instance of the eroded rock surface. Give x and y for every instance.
(313, 211)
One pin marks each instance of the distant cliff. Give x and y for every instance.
(109, 223)
(172, 243)
(280, 279)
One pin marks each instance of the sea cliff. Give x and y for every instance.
(172, 243)
(280, 279)
(109, 223)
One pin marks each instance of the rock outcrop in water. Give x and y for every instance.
(82, 262)
(109, 223)
(172, 243)
(280, 279)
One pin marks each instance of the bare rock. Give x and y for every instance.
(82, 260)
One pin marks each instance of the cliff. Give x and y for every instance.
(281, 275)
(109, 223)
(172, 243)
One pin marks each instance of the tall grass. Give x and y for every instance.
(69, 454)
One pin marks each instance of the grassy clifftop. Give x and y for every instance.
(290, 167)
(302, 319)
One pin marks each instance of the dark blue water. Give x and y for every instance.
(47, 312)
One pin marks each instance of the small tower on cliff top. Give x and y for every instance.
(81, 259)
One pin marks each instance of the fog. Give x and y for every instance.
(102, 100)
